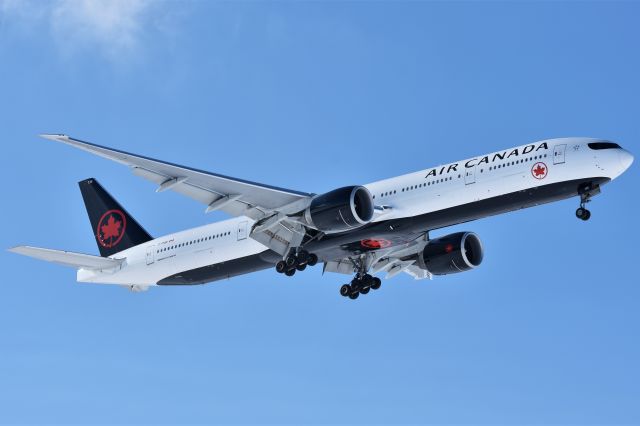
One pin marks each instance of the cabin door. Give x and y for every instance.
(470, 175)
(150, 255)
(558, 153)
(242, 230)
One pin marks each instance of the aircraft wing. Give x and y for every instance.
(67, 258)
(393, 261)
(236, 197)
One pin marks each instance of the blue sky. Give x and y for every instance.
(312, 96)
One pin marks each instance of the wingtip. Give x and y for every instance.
(54, 136)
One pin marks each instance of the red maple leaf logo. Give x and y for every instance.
(539, 170)
(375, 243)
(111, 229)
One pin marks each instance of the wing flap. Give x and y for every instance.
(67, 258)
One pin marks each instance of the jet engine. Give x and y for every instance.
(340, 210)
(452, 253)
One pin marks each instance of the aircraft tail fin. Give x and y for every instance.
(113, 227)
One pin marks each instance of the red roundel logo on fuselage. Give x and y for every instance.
(539, 170)
(111, 228)
(375, 243)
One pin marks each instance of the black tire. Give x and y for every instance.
(580, 212)
(290, 272)
(291, 261)
(312, 259)
(367, 280)
(587, 215)
(301, 267)
(364, 290)
(345, 290)
(356, 284)
(377, 282)
(354, 295)
(281, 267)
(303, 257)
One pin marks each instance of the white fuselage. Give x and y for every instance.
(409, 195)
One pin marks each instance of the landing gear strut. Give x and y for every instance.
(361, 284)
(296, 261)
(586, 191)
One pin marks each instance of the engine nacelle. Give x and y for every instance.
(340, 210)
(452, 253)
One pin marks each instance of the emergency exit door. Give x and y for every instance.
(242, 230)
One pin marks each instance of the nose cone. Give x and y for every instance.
(625, 159)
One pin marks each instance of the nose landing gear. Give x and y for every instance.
(296, 262)
(583, 213)
(586, 191)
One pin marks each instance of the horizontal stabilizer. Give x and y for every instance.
(67, 258)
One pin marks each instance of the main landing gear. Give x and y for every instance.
(296, 262)
(361, 284)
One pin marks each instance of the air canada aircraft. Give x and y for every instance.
(359, 230)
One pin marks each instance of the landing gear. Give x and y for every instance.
(281, 267)
(377, 282)
(361, 284)
(296, 262)
(586, 191)
(582, 213)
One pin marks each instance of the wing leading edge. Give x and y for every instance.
(234, 196)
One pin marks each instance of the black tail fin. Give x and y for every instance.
(114, 229)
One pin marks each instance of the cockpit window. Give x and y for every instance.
(603, 145)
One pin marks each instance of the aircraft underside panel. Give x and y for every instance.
(388, 233)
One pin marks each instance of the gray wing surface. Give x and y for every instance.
(236, 197)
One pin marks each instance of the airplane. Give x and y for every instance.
(359, 230)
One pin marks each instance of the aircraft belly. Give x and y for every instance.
(396, 231)
(403, 230)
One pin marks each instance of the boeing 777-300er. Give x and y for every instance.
(361, 229)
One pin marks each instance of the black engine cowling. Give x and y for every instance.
(341, 209)
(452, 253)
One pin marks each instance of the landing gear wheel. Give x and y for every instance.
(301, 267)
(364, 290)
(345, 290)
(312, 260)
(291, 261)
(377, 282)
(354, 295)
(367, 280)
(281, 267)
(303, 257)
(290, 272)
(582, 213)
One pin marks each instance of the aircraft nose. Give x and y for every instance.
(625, 159)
